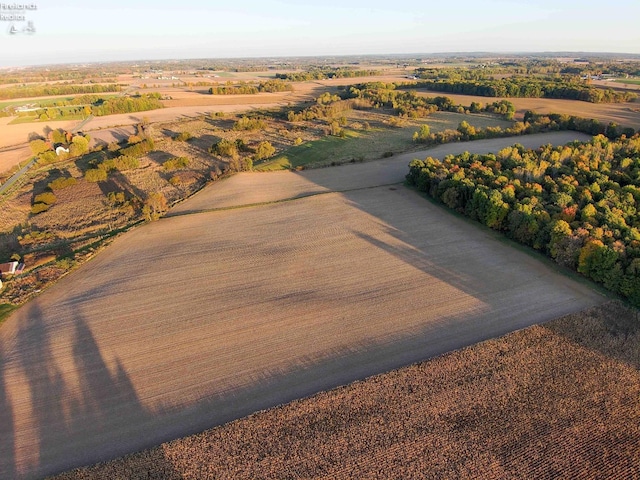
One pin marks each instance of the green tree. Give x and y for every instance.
(423, 135)
(264, 150)
(39, 146)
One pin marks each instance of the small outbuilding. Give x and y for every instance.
(8, 268)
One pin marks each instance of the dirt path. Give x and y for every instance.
(199, 319)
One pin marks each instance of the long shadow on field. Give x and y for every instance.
(81, 409)
(7, 440)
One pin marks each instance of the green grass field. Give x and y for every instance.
(35, 119)
(629, 81)
(364, 145)
(40, 102)
(5, 310)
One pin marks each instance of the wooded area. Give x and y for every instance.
(577, 203)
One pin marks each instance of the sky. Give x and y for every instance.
(67, 31)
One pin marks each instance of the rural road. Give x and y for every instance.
(14, 178)
(202, 318)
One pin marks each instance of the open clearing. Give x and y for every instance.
(552, 401)
(203, 318)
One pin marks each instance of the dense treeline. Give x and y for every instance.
(529, 87)
(243, 88)
(141, 103)
(324, 73)
(577, 203)
(59, 89)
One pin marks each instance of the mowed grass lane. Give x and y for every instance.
(199, 319)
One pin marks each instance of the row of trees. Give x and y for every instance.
(577, 203)
(526, 87)
(140, 103)
(58, 89)
(244, 88)
(533, 123)
(324, 73)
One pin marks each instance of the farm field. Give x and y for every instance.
(202, 318)
(552, 401)
(624, 114)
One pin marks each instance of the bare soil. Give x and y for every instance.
(558, 400)
(203, 318)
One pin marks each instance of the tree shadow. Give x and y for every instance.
(7, 433)
(81, 409)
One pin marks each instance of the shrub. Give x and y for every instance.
(154, 206)
(95, 175)
(62, 182)
(264, 150)
(225, 148)
(46, 197)
(116, 198)
(183, 137)
(42, 202)
(246, 123)
(175, 163)
(39, 208)
(47, 157)
(39, 146)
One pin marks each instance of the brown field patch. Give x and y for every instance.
(552, 401)
(200, 319)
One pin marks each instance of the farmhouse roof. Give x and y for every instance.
(8, 268)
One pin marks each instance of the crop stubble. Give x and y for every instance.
(552, 401)
(203, 318)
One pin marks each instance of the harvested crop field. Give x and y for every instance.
(553, 401)
(203, 318)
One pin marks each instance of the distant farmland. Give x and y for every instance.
(203, 318)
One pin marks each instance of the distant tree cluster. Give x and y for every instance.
(577, 203)
(45, 149)
(533, 123)
(58, 89)
(409, 104)
(244, 88)
(327, 107)
(140, 103)
(528, 87)
(324, 73)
